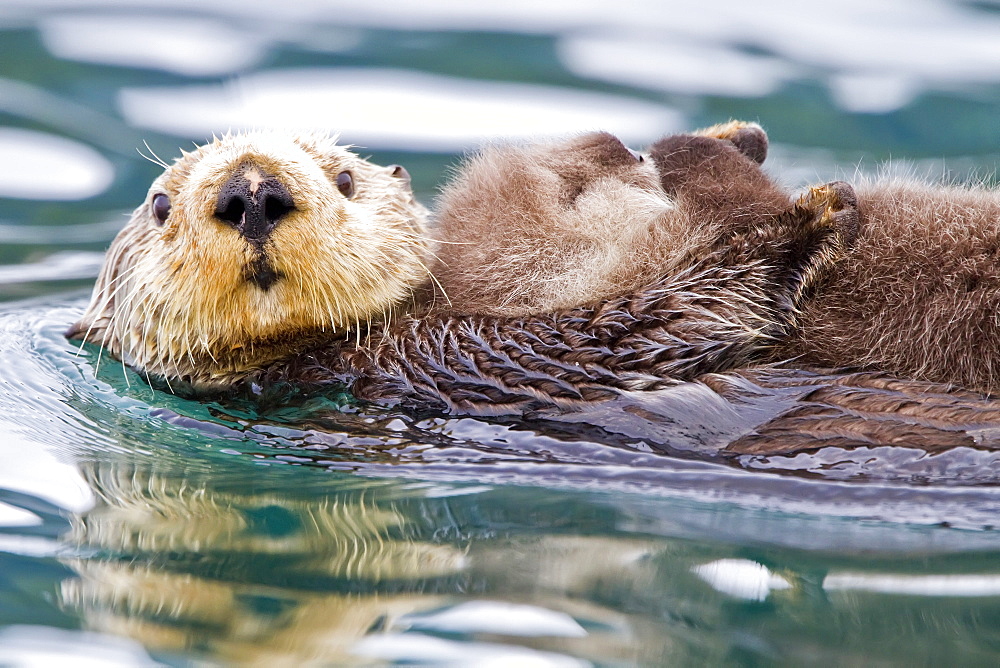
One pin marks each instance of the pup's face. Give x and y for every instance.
(248, 244)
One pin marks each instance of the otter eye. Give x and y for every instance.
(161, 207)
(345, 184)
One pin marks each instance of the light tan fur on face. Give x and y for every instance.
(173, 299)
(529, 229)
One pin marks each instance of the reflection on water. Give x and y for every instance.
(137, 528)
(185, 564)
(34, 165)
(441, 113)
(201, 534)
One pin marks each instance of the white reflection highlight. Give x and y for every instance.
(421, 649)
(30, 546)
(500, 618)
(393, 108)
(63, 266)
(40, 166)
(44, 646)
(741, 578)
(923, 44)
(677, 66)
(915, 585)
(189, 46)
(29, 467)
(12, 516)
(873, 93)
(876, 57)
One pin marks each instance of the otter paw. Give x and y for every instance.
(822, 224)
(749, 138)
(832, 206)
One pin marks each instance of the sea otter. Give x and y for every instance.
(249, 246)
(196, 291)
(254, 255)
(916, 293)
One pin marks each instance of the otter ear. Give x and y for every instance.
(749, 138)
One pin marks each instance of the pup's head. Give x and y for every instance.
(251, 243)
(530, 228)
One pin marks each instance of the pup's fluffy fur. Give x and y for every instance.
(918, 294)
(528, 229)
(532, 228)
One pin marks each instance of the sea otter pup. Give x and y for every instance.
(916, 294)
(252, 254)
(537, 227)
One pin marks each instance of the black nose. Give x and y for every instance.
(253, 202)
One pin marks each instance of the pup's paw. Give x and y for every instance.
(832, 206)
(749, 138)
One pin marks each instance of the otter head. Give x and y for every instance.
(248, 245)
(531, 228)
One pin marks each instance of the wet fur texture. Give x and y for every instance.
(174, 299)
(731, 295)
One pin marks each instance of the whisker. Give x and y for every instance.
(104, 304)
(156, 160)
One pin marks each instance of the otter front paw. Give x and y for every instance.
(749, 138)
(821, 225)
(832, 206)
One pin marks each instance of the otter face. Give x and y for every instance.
(529, 229)
(249, 244)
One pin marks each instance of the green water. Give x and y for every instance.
(139, 528)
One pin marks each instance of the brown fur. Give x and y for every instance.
(919, 292)
(529, 229)
(720, 309)
(175, 301)
(201, 300)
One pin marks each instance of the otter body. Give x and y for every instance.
(278, 260)
(717, 297)
(254, 256)
(917, 294)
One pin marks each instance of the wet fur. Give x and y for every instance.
(737, 291)
(174, 300)
(919, 292)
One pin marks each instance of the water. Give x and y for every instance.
(138, 528)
